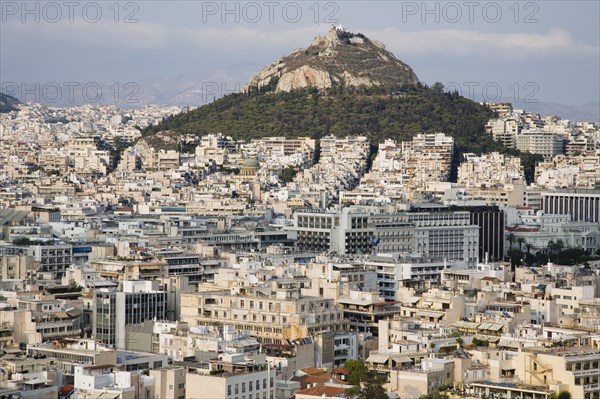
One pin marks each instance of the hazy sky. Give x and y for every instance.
(548, 50)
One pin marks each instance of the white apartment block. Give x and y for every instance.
(395, 268)
(538, 142)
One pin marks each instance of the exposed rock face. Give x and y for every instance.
(305, 76)
(339, 57)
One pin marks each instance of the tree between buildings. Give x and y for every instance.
(367, 384)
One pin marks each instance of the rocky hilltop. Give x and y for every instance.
(338, 58)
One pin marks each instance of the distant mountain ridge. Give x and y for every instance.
(8, 103)
(589, 112)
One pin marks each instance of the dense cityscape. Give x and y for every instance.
(203, 265)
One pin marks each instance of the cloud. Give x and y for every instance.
(557, 43)
(243, 38)
(82, 33)
(453, 42)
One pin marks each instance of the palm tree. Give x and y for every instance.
(559, 245)
(521, 241)
(528, 247)
(554, 247)
(551, 247)
(511, 239)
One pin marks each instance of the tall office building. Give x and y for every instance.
(135, 303)
(491, 222)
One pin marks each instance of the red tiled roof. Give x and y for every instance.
(313, 370)
(321, 390)
(343, 371)
(66, 389)
(307, 380)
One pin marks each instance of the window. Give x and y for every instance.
(228, 389)
(250, 386)
(243, 387)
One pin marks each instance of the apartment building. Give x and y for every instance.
(54, 259)
(68, 354)
(538, 142)
(43, 319)
(273, 313)
(504, 130)
(286, 146)
(169, 382)
(230, 377)
(363, 310)
(445, 235)
(394, 269)
(436, 235)
(345, 232)
(16, 266)
(102, 380)
(574, 369)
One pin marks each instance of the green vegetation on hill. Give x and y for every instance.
(379, 113)
(340, 111)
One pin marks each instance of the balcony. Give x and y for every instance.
(583, 373)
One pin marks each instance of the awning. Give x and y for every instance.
(508, 342)
(429, 313)
(74, 312)
(401, 359)
(36, 381)
(379, 359)
(60, 315)
(150, 267)
(490, 326)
